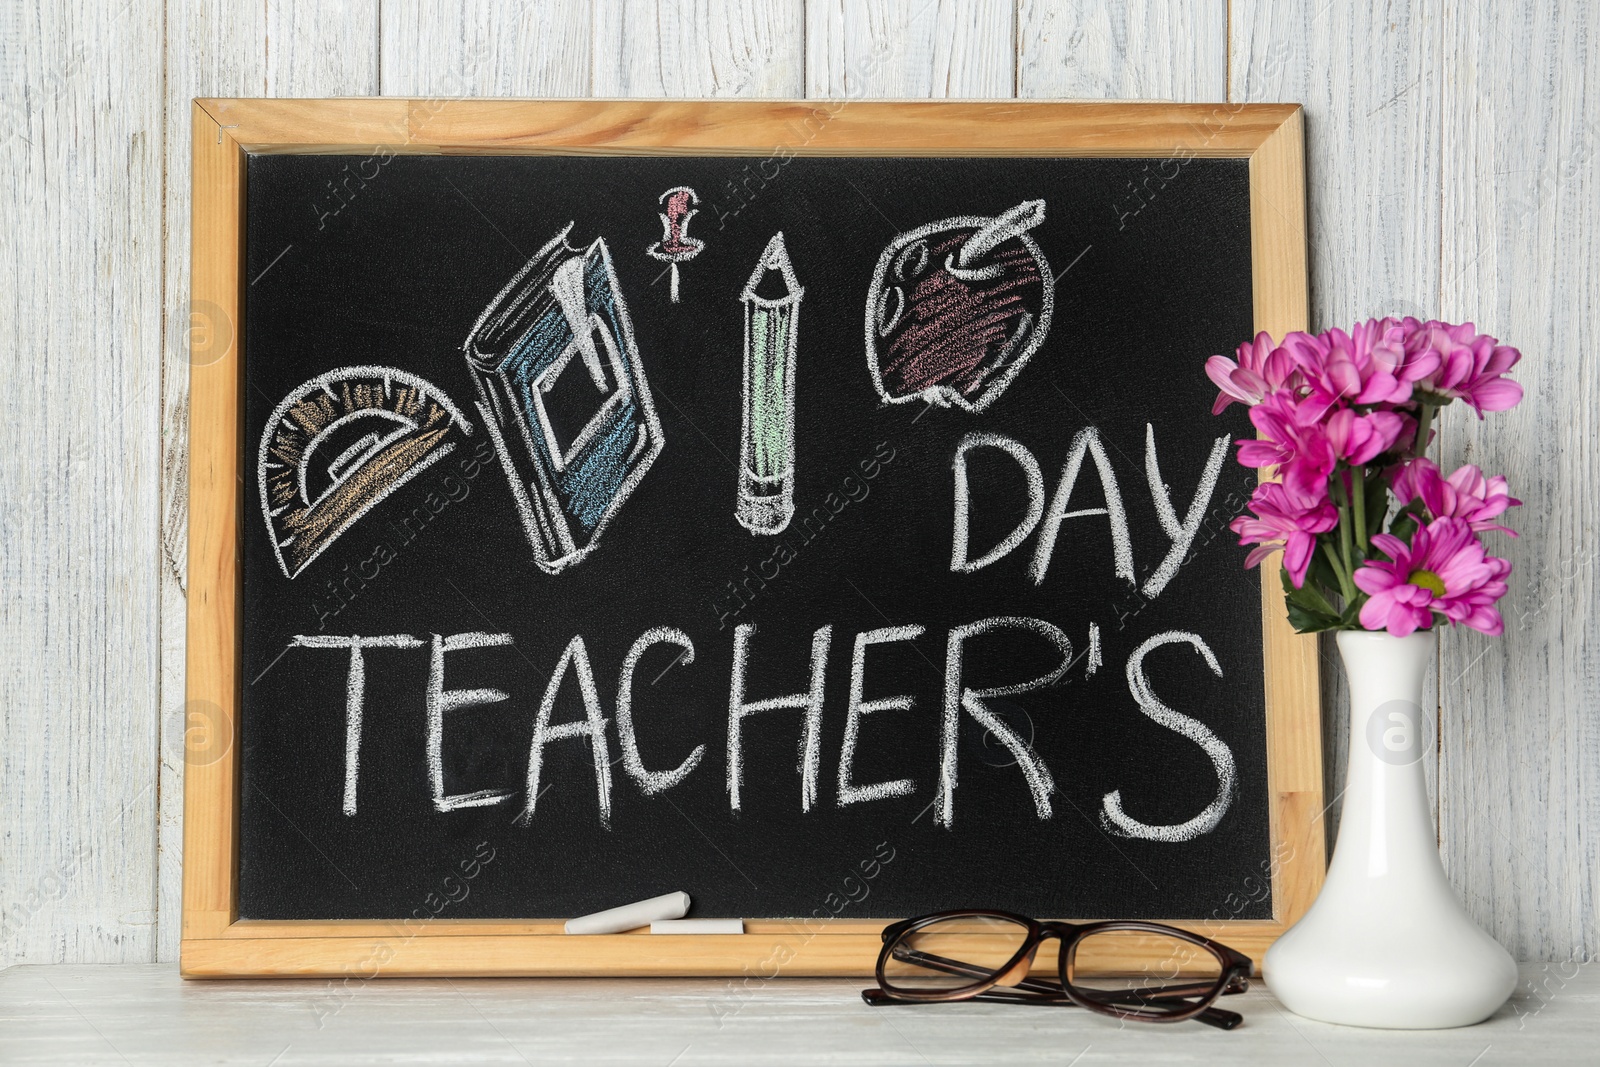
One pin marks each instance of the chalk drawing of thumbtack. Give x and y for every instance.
(676, 246)
(957, 307)
(766, 449)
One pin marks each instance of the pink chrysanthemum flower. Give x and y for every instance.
(1284, 520)
(1261, 369)
(1470, 365)
(1359, 439)
(1295, 441)
(1466, 494)
(1444, 570)
(1368, 365)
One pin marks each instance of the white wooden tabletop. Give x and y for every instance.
(146, 1014)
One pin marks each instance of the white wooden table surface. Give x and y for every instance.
(146, 1014)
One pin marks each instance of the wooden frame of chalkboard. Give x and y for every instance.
(215, 942)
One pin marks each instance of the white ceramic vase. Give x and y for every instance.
(1387, 942)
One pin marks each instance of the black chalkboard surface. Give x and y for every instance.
(736, 525)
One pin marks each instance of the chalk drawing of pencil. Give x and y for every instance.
(564, 397)
(766, 448)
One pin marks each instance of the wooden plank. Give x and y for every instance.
(800, 955)
(1278, 225)
(80, 258)
(485, 48)
(749, 128)
(906, 49)
(215, 483)
(1135, 49)
(1520, 764)
(1370, 77)
(303, 929)
(316, 49)
(704, 48)
(1278, 269)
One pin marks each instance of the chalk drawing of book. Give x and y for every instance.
(564, 397)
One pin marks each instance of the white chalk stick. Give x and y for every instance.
(631, 916)
(697, 926)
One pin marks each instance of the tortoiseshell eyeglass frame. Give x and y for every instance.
(1010, 983)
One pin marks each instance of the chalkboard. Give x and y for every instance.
(835, 536)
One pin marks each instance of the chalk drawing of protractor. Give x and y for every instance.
(957, 308)
(338, 445)
(564, 396)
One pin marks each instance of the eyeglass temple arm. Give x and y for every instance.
(1219, 1017)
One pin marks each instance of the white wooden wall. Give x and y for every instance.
(1453, 169)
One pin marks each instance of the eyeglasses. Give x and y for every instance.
(986, 955)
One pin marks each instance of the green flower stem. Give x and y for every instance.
(1358, 486)
(1344, 526)
(1424, 424)
(1346, 587)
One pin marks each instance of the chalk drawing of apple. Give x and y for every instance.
(957, 308)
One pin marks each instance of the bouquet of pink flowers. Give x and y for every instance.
(1374, 536)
